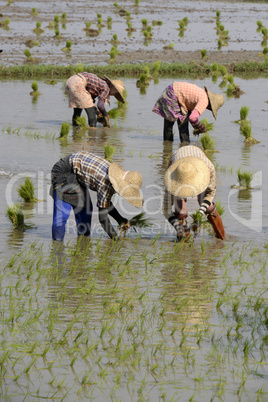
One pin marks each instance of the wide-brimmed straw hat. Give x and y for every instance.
(187, 177)
(215, 100)
(119, 86)
(127, 184)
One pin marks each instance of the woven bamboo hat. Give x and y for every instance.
(187, 177)
(119, 86)
(215, 100)
(127, 184)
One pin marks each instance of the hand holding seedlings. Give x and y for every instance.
(82, 90)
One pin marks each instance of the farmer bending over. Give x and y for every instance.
(190, 173)
(71, 178)
(82, 90)
(183, 102)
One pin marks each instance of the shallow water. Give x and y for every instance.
(138, 138)
(144, 319)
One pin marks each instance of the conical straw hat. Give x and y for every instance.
(127, 184)
(119, 86)
(215, 100)
(187, 177)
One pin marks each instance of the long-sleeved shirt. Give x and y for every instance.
(191, 97)
(184, 152)
(97, 88)
(92, 171)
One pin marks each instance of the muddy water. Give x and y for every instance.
(239, 18)
(57, 304)
(30, 144)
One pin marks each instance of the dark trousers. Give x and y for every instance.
(61, 213)
(91, 115)
(183, 130)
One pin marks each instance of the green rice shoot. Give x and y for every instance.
(207, 142)
(16, 216)
(140, 221)
(109, 151)
(245, 178)
(81, 121)
(244, 112)
(26, 190)
(209, 126)
(65, 128)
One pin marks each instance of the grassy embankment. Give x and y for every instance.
(249, 68)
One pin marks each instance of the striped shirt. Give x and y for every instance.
(96, 86)
(92, 171)
(184, 152)
(191, 97)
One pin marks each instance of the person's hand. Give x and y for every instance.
(123, 227)
(106, 121)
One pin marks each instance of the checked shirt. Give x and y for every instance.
(92, 171)
(96, 86)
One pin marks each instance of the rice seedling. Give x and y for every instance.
(245, 178)
(26, 190)
(34, 12)
(137, 2)
(35, 91)
(109, 22)
(209, 126)
(157, 22)
(203, 53)
(115, 38)
(156, 67)
(81, 121)
(65, 128)
(16, 216)
(207, 142)
(246, 131)
(116, 5)
(56, 19)
(144, 22)
(63, 17)
(113, 53)
(5, 24)
(218, 14)
(109, 151)
(38, 30)
(170, 46)
(220, 207)
(28, 55)
(68, 46)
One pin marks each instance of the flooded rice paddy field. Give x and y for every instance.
(244, 41)
(145, 318)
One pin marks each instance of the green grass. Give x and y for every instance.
(130, 70)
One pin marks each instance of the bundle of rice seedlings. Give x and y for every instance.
(220, 207)
(209, 126)
(244, 112)
(246, 131)
(203, 53)
(65, 128)
(81, 121)
(140, 221)
(26, 190)
(15, 214)
(198, 220)
(245, 178)
(109, 151)
(207, 142)
(35, 91)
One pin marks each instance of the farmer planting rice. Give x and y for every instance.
(184, 102)
(71, 178)
(82, 90)
(190, 173)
